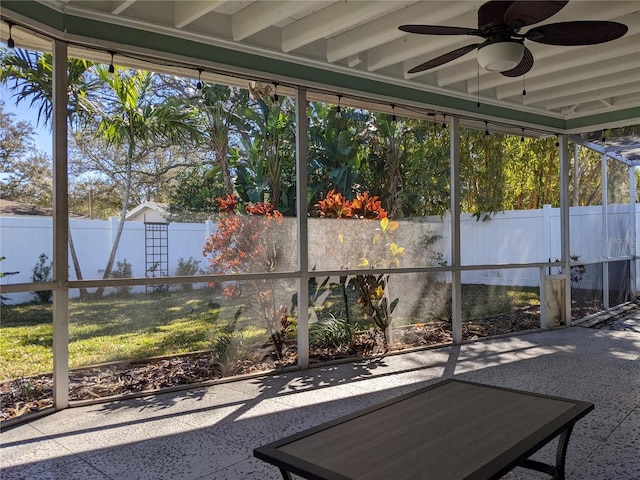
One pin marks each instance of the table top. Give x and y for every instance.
(450, 430)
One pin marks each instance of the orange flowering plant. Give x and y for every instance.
(367, 248)
(246, 243)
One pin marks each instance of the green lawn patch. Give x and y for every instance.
(136, 326)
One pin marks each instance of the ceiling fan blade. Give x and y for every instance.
(523, 67)
(439, 30)
(492, 13)
(523, 13)
(577, 33)
(442, 59)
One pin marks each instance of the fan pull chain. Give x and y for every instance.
(524, 85)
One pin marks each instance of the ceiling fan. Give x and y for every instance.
(499, 23)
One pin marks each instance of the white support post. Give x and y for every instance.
(565, 241)
(633, 251)
(576, 175)
(456, 278)
(606, 242)
(60, 230)
(446, 251)
(546, 231)
(302, 228)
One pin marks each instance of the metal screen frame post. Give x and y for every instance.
(302, 228)
(456, 275)
(565, 238)
(606, 241)
(632, 228)
(60, 230)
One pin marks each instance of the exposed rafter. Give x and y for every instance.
(622, 89)
(575, 88)
(572, 74)
(122, 6)
(333, 20)
(353, 40)
(384, 29)
(261, 15)
(189, 11)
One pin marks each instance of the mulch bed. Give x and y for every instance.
(25, 395)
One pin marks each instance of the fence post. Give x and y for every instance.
(208, 228)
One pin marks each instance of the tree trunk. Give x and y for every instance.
(76, 265)
(223, 158)
(123, 215)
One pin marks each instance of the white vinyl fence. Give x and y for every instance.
(512, 237)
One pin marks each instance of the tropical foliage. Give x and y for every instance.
(368, 245)
(245, 146)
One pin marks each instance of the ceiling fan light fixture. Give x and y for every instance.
(500, 56)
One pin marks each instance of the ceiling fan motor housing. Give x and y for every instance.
(500, 56)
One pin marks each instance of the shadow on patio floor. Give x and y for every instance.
(209, 433)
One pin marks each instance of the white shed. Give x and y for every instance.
(148, 212)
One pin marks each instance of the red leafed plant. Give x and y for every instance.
(375, 249)
(335, 205)
(243, 243)
(246, 243)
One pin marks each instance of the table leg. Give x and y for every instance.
(561, 453)
(557, 472)
(285, 475)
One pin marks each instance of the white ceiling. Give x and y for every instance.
(361, 37)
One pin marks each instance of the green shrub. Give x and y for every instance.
(42, 273)
(123, 270)
(332, 333)
(187, 268)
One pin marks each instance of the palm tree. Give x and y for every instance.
(219, 104)
(267, 155)
(29, 75)
(136, 121)
(336, 150)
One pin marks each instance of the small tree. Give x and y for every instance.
(246, 243)
(42, 273)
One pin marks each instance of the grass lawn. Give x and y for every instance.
(139, 326)
(120, 327)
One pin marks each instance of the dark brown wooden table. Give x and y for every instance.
(450, 430)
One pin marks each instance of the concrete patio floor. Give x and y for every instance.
(209, 433)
